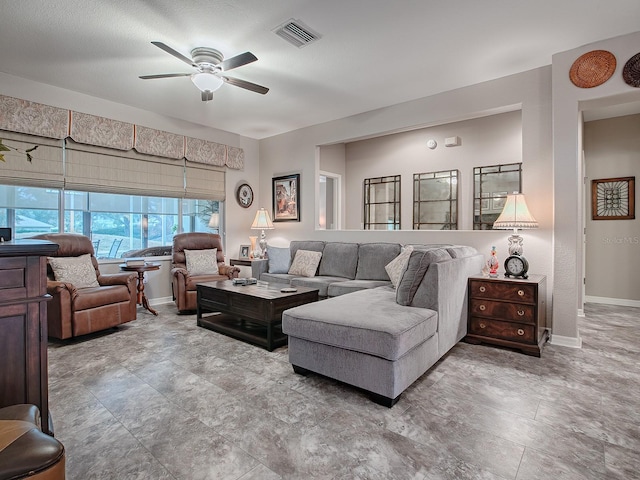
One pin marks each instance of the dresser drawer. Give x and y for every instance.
(516, 332)
(510, 291)
(503, 310)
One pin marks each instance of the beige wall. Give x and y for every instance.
(612, 150)
(530, 92)
(569, 205)
(491, 140)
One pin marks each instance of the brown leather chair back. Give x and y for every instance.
(194, 241)
(70, 245)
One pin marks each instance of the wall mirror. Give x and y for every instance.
(435, 200)
(490, 188)
(382, 203)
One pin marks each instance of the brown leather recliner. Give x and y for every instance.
(77, 311)
(183, 284)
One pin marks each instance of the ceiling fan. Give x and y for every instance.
(210, 65)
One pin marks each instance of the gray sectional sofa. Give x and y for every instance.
(368, 333)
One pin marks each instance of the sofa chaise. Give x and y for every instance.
(381, 338)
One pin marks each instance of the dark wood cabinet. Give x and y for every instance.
(23, 324)
(508, 312)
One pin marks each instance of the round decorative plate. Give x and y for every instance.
(631, 71)
(592, 69)
(244, 195)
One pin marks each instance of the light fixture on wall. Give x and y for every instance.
(262, 221)
(515, 215)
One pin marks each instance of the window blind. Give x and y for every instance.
(46, 168)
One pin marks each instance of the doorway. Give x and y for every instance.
(329, 201)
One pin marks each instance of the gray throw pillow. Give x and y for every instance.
(279, 259)
(419, 262)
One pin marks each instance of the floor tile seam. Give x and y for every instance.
(567, 459)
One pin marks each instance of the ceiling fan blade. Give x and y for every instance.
(207, 95)
(164, 75)
(178, 55)
(246, 85)
(237, 61)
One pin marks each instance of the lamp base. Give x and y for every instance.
(515, 244)
(263, 245)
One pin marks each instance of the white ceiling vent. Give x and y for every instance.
(296, 33)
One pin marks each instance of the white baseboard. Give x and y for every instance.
(160, 300)
(581, 312)
(622, 302)
(559, 340)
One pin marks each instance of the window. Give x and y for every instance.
(382, 203)
(115, 223)
(490, 188)
(435, 200)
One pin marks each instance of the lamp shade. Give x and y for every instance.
(214, 221)
(262, 221)
(515, 214)
(206, 81)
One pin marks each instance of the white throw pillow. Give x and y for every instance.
(396, 267)
(78, 271)
(202, 262)
(305, 263)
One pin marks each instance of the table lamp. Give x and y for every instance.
(214, 222)
(262, 221)
(515, 215)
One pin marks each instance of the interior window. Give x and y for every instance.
(490, 188)
(435, 200)
(382, 203)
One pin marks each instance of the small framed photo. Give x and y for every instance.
(244, 251)
(613, 198)
(286, 198)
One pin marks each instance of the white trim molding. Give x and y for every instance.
(622, 302)
(560, 341)
(160, 301)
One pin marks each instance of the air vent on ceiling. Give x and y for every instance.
(296, 33)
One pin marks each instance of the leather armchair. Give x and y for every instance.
(184, 285)
(77, 311)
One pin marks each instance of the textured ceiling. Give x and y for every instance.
(373, 53)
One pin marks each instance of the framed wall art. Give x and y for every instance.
(613, 198)
(286, 198)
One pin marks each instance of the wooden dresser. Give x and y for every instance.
(23, 324)
(508, 312)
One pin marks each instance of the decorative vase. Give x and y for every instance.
(493, 263)
(253, 241)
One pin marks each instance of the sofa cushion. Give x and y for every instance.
(372, 258)
(368, 321)
(350, 286)
(78, 271)
(396, 267)
(283, 278)
(339, 260)
(202, 262)
(419, 262)
(311, 245)
(95, 297)
(305, 263)
(322, 283)
(279, 259)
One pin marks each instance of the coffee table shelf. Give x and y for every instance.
(252, 313)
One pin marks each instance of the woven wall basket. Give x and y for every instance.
(631, 71)
(592, 69)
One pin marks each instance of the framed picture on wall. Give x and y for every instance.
(286, 198)
(613, 199)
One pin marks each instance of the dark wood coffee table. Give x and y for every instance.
(252, 313)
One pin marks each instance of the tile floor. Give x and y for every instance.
(161, 398)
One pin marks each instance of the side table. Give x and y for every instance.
(508, 312)
(147, 267)
(240, 262)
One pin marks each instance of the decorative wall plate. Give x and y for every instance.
(592, 69)
(244, 195)
(631, 71)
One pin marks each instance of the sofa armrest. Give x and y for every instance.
(231, 272)
(125, 278)
(258, 267)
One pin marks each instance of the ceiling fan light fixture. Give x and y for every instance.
(206, 81)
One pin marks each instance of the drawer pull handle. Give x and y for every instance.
(520, 332)
(521, 293)
(521, 313)
(483, 289)
(482, 308)
(482, 325)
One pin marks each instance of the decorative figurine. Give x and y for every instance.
(493, 263)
